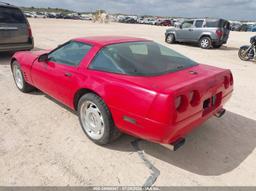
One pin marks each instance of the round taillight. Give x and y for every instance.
(178, 102)
(194, 98)
(226, 82)
(231, 80)
(191, 96)
(181, 103)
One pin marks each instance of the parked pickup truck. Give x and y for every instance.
(207, 33)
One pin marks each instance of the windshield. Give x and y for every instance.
(140, 59)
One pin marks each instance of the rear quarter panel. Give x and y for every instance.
(209, 32)
(122, 98)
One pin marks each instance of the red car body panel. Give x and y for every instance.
(149, 101)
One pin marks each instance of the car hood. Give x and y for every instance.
(39, 52)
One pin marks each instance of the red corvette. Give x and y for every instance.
(129, 85)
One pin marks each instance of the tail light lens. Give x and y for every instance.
(226, 82)
(194, 98)
(29, 31)
(219, 33)
(178, 102)
(181, 103)
(231, 79)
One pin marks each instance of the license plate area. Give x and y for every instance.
(212, 103)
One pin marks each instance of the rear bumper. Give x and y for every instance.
(16, 47)
(163, 133)
(219, 42)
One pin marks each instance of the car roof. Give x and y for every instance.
(3, 4)
(107, 40)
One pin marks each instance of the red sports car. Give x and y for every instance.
(129, 85)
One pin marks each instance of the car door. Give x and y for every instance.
(13, 26)
(183, 34)
(225, 26)
(58, 76)
(196, 31)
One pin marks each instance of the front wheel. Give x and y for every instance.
(19, 80)
(170, 39)
(96, 119)
(243, 53)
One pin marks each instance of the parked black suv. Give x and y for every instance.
(15, 31)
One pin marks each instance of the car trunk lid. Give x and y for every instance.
(169, 82)
(211, 85)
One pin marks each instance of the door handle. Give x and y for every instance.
(190, 29)
(67, 74)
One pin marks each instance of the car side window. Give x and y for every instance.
(187, 24)
(199, 23)
(70, 53)
(104, 61)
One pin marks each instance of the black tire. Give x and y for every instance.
(170, 39)
(241, 54)
(111, 132)
(205, 42)
(25, 88)
(217, 46)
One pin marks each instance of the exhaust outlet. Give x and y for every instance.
(220, 113)
(175, 145)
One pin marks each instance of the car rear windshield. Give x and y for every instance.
(11, 15)
(140, 59)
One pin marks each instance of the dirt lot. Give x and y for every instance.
(41, 142)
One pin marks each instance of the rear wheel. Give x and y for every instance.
(170, 38)
(96, 119)
(19, 80)
(205, 42)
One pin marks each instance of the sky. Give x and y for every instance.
(229, 9)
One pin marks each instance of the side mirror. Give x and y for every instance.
(43, 58)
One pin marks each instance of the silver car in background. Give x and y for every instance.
(15, 31)
(207, 33)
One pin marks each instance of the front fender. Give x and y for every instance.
(26, 59)
(170, 32)
(245, 46)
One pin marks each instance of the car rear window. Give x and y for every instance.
(218, 23)
(213, 24)
(11, 15)
(140, 59)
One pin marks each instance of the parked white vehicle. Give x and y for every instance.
(149, 21)
(40, 15)
(140, 20)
